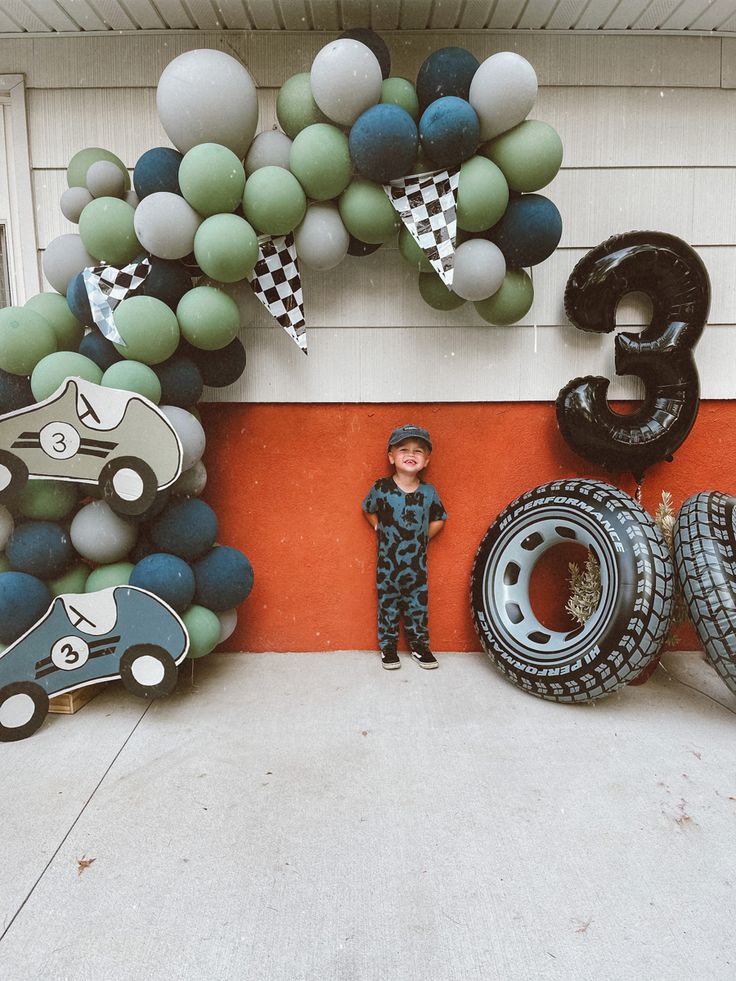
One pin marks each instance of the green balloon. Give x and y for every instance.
(295, 105)
(401, 92)
(511, 302)
(413, 253)
(226, 248)
(73, 580)
(25, 338)
(104, 576)
(133, 376)
(529, 155)
(211, 179)
(436, 294)
(76, 172)
(51, 371)
(482, 195)
(47, 500)
(149, 328)
(54, 308)
(106, 230)
(320, 160)
(367, 212)
(208, 317)
(273, 201)
(203, 627)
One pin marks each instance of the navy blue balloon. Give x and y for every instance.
(23, 600)
(98, 349)
(157, 170)
(529, 231)
(222, 367)
(447, 71)
(40, 548)
(15, 392)
(181, 381)
(358, 248)
(376, 43)
(186, 527)
(383, 143)
(166, 576)
(224, 578)
(76, 297)
(449, 131)
(167, 281)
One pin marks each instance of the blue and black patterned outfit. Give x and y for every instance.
(401, 569)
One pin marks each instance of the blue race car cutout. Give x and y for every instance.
(84, 638)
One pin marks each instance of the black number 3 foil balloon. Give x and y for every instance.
(673, 276)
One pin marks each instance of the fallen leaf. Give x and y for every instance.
(83, 863)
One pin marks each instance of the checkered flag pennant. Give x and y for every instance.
(277, 284)
(427, 206)
(106, 286)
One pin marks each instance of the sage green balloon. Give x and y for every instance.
(295, 105)
(226, 248)
(511, 302)
(434, 292)
(204, 636)
(51, 371)
(76, 172)
(54, 308)
(208, 317)
(413, 253)
(133, 376)
(149, 328)
(74, 580)
(482, 195)
(25, 338)
(367, 213)
(48, 500)
(211, 179)
(273, 201)
(529, 155)
(107, 232)
(400, 92)
(113, 574)
(320, 160)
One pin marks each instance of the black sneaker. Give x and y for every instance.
(390, 660)
(425, 658)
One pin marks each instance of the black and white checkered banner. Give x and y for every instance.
(277, 284)
(427, 206)
(106, 287)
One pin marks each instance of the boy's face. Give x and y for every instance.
(409, 457)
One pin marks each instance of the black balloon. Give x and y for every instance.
(673, 276)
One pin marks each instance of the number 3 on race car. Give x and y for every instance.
(69, 653)
(59, 440)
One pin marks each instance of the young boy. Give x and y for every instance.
(405, 513)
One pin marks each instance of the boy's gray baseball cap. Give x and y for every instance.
(409, 432)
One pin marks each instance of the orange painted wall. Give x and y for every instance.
(287, 482)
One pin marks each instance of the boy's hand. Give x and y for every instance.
(435, 527)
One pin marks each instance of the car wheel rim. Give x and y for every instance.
(127, 484)
(148, 671)
(16, 711)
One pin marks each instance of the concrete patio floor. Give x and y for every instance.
(311, 816)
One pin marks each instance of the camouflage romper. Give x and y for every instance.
(401, 569)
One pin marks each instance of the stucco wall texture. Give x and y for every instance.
(287, 483)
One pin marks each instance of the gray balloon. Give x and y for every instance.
(346, 80)
(105, 180)
(191, 482)
(63, 258)
(321, 239)
(502, 92)
(269, 149)
(131, 198)
(73, 201)
(190, 432)
(165, 225)
(479, 270)
(100, 535)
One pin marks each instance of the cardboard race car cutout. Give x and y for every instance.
(119, 441)
(85, 638)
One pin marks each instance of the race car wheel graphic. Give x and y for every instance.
(128, 485)
(13, 477)
(23, 707)
(630, 623)
(705, 556)
(148, 671)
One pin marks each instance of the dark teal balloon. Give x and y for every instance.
(449, 131)
(40, 548)
(222, 367)
(187, 527)
(376, 43)
(383, 143)
(181, 381)
(448, 71)
(168, 281)
(224, 578)
(15, 392)
(166, 576)
(23, 600)
(529, 232)
(157, 170)
(98, 349)
(76, 297)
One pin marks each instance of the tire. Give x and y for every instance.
(23, 707)
(627, 629)
(705, 556)
(13, 477)
(144, 480)
(148, 671)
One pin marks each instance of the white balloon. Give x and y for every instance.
(480, 269)
(228, 622)
(502, 92)
(165, 225)
(64, 257)
(269, 149)
(6, 526)
(345, 80)
(105, 180)
(73, 201)
(207, 96)
(321, 239)
(100, 535)
(190, 432)
(191, 482)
